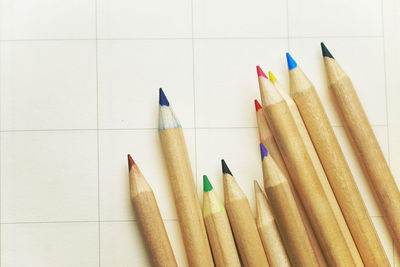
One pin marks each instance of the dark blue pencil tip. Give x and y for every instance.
(163, 101)
(325, 51)
(225, 168)
(264, 151)
(290, 62)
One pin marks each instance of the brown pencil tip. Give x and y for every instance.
(130, 161)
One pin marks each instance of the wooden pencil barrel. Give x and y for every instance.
(153, 229)
(340, 178)
(290, 224)
(369, 153)
(246, 235)
(221, 240)
(308, 185)
(186, 202)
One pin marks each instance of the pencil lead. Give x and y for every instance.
(325, 51)
(163, 101)
(263, 150)
(260, 72)
(272, 77)
(207, 187)
(290, 62)
(130, 161)
(225, 168)
(257, 104)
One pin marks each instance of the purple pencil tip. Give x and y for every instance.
(264, 151)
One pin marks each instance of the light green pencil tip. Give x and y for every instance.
(207, 187)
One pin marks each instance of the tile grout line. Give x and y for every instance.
(387, 107)
(194, 100)
(193, 38)
(97, 131)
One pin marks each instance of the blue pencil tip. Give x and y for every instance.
(163, 101)
(290, 62)
(264, 151)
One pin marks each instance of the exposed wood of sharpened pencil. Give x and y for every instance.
(365, 144)
(337, 170)
(305, 177)
(182, 183)
(291, 227)
(148, 214)
(218, 228)
(242, 221)
(268, 230)
(320, 171)
(268, 141)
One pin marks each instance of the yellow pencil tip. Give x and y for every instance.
(271, 77)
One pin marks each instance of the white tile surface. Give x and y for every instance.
(384, 236)
(226, 89)
(123, 245)
(130, 73)
(360, 178)
(239, 18)
(144, 147)
(48, 176)
(48, 85)
(335, 18)
(366, 73)
(47, 19)
(239, 148)
(50, 244)
(144, 19)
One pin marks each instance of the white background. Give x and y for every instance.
(79, 86)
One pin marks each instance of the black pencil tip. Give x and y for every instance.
(225, 168)
(325, 51)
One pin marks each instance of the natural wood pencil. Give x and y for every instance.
(319, 169)
(268, 230)
(149, 217)
(365, 144)
(218, 228)
(269, 142)
(291, 227)
(304, 177)
(336, 168)
(242, 221)
(182, 183)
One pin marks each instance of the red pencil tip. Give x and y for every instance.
(258, 106)
(260, 72)
(130, 161)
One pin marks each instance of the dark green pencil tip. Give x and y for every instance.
(325, 51)
(207, 187)
(225, 168)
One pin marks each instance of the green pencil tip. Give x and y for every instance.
(207, 187)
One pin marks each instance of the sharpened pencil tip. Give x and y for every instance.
(260, 72)
(207, 187)
(272, 77)
(257, 104)
(163, 101)
(130, 161)
(325, 51)
(290, 61)
(264, 151)
(225, 168)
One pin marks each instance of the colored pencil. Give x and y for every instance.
(304, 176)
(268, 230)
(182, 183)
(365, 144)
(318, 168)
(336, 167)
(291, 227)
(269, 143)
(148, 214)
(242, 221)
(218, 228)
